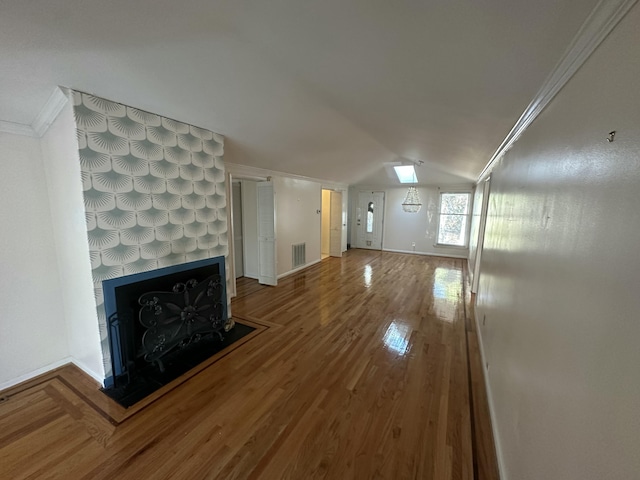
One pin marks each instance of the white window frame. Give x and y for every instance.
(469, 194)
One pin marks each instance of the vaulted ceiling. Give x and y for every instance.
(329, 89)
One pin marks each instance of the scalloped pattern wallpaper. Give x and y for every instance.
(154, 192)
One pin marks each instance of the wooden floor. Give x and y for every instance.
(360, 371)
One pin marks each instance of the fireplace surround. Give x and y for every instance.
(155, 315)
(154, 193)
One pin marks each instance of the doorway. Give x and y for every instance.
(238, 244)
(252, 229)
(244, 227)
(370, 220)
(331, 224)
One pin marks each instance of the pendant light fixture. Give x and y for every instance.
(411, 203)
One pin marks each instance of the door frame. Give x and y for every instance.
(486, 192)
(267, 236)
(335, 219)
(240, 225)
(332, 192)
(231, 267)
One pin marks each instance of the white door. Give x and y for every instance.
(249, 203)
(267, 273)
(237, 229)
(370, 220)
(335, 225)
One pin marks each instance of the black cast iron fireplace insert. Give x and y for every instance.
(177, 318)
(162, 323)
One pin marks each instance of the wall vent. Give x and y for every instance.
(298, 255)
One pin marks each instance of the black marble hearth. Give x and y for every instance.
(164, 322)
(149, 378)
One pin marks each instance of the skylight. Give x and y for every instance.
(406, 173)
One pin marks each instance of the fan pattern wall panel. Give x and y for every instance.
(154, 192)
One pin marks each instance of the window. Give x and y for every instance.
(370, 218)
(406, 173)
(453, 219)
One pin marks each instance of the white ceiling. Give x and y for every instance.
(329, 89)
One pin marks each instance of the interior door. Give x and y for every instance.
(267, 273)
(335, 225)
(238, 255)
(249, 228)
(370, 220)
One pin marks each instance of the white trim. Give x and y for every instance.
(469, 214)
(49, 112)
(492, 414)
(98, 378)
(295, 270)
(458, 187)
(601, 21)
(232, 234)
(249, 172)
(447, 245)
(16, 129)
(52, 366)
(424, 253)
(243, 173)
(482, 227)
(35, 373)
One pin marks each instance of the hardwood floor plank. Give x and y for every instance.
(360, 371)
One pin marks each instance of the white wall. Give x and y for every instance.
(401, 229)
(298, 203)
(64, 187)
(33, 335)
(560, 274)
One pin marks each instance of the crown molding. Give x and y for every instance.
(50, 111)
(238, 170)
(600, 22)
(446, 188)
(47, 115)
(16, 128)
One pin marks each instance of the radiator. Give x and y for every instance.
(298, 255)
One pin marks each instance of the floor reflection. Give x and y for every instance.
(396, 338)
(367, 275)
(447, 289)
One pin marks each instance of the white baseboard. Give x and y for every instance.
(98, 378)
(48, 368)
(430, 254)
(307, 265)
(492, 415)
(35, 373)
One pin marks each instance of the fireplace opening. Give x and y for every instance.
(163, 323)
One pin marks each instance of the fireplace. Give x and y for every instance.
(162, 318)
